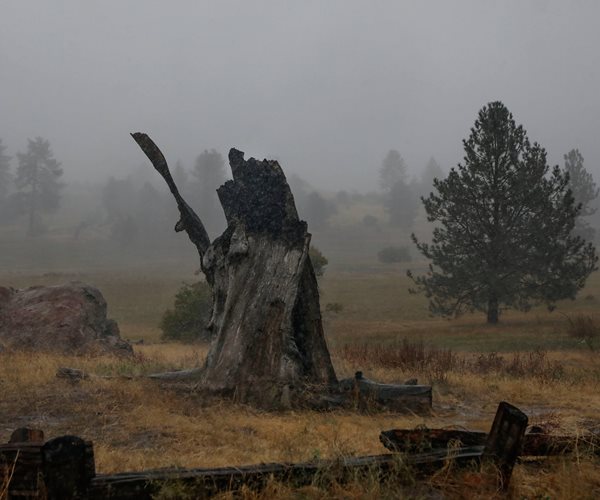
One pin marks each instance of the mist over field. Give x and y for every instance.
(326, 87)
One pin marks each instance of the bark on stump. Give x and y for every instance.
(269, 344)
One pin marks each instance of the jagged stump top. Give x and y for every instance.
(260, 198)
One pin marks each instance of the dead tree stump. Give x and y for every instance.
(269, 342)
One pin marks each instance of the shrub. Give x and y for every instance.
(187, 321)
(334, 307)
(319, 261)
(584, 329)
(391, 255)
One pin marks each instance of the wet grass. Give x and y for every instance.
(136, 423)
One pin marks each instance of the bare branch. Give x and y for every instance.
(189, 221)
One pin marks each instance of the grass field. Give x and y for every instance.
(136, 423)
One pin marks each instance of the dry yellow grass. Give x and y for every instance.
(137, 423)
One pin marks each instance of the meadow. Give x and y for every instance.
(528, 359)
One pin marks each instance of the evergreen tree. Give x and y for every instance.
(5, 177)
(118, 199)
(402, 204)
(38, 181)
(503, 237)
(318, 210)
(180, 176)
(400, 198)
(209, 174)
(584, 191)
(393, 170)
(431, 172)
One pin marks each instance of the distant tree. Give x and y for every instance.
(584, 191)
(209, 174)
(402, 204)
(5, 176)
(118, 198)
(153, 216)
(37, 182)
(393, 170)
(504, 227)
(400, 197)
(300, 190)
(318, 260)
(318, 210)
(180, 175)
(431, 172)
(7, 208)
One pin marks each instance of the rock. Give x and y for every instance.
(72, 374)
(69, 319)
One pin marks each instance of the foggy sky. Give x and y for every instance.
(327, 87)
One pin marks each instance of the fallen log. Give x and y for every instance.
(535, 444)
(367, 394)
(207, 482)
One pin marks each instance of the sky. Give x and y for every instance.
(327, 87)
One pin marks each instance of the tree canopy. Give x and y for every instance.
(504, 226)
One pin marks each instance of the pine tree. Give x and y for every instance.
(5, 177)
(431, 172)
(504, 222)
(584, 191)
(38, 182)
(400, 197)
(209, 174)
(393, 170)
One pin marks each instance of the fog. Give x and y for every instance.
(326, 87)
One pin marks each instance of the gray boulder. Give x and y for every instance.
(69, 319)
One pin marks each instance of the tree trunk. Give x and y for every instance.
(268, 336)
(492, 311)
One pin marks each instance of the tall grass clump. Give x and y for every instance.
(583, 328)
(406, 356)
(437, 364)
(534, 364)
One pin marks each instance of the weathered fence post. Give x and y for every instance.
(505, 439)
(68, 467)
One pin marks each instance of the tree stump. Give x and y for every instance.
(268, 343)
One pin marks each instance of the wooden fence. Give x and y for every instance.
(63, 468)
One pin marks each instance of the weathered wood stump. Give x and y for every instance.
(269, 348)
(266, 318)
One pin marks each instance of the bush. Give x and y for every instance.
(394, 254)
(187, 321)
(319, 261)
